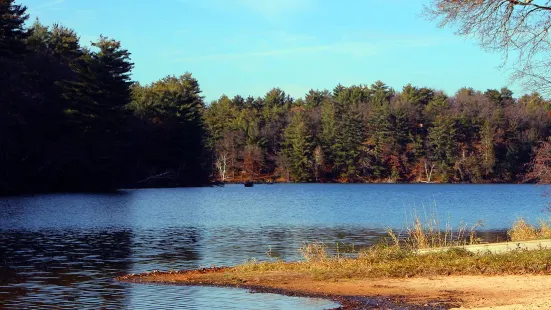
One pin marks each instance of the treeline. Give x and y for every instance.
(375, 134)
(71, 119)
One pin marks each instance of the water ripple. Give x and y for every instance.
(62, 251)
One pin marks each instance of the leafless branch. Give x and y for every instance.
(518, 28)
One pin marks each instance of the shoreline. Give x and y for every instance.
(373, 182)
(123, 189)
(287, 287)
(502, 276)
(501, 292)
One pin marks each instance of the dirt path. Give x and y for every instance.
(461, 292)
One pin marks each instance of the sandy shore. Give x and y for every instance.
(456, 292)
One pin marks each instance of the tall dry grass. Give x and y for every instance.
(314, 252)
(523, 231)
(392, 261)
(426, 231)
(421, 232)
(397, 255)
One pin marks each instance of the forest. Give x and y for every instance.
(376, 134)
(72, 119)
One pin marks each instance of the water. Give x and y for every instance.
(63, 250)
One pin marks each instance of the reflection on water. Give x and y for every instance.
(72, 268)
(63, 268)
(179, 297)
(64, 250)
(187, 248)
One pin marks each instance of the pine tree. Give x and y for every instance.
(443, 145)
(342, 135)
(171, 140)
(299, 147)
(16, 96)
(12, 29)
(95, 111)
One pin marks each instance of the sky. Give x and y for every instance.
(248, 47)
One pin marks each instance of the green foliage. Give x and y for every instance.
(12, 29)
(362, 134)
(172, 140)
(71, 118)
(299, 147)
(443, 144)
(341, 137)
(66, 121)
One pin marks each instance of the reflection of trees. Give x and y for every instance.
(75, 268)
(66, 267)
(176, 248)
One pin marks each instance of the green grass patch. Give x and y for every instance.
(396, 262)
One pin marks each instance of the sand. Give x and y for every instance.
(457, 292)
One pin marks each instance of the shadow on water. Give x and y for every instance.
(74, 268)
(71, 267)
(63, 268)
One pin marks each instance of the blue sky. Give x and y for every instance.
(247, 47)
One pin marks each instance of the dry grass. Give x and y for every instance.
(421, 233)
(314, 252)
(426, 232)
(523, 231)
(397, 255)
(393, 261)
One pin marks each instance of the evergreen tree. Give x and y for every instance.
(443, 146)
(171, 144)
(299, 147)
(12, 29)
(18, 108)
(342, 135)
(96, 119)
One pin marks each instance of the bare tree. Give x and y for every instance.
(540, 167)
(221, 164)
(226, 155)
(252, 158)
(429, 168)
(519, 29)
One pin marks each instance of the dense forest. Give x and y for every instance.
(375, 134)
(71, 119)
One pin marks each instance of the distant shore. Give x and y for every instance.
(220, 183)
(24, 192)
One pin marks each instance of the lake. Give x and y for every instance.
(63, 250)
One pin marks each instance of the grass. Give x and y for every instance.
(312, 252)
(425, 232)
(522, 231)
(397, 255)
(382, 261)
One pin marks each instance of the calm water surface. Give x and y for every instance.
(62, 251)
